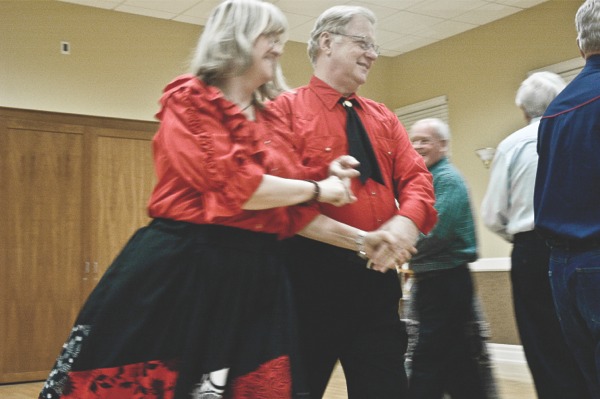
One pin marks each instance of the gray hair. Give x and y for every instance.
(335, 20)
(441, 128)
(225, 47)
(587, 22)
(537, 92)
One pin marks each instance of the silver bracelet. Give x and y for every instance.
(360, 245)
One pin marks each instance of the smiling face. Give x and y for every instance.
(344, 63)
(427, 143)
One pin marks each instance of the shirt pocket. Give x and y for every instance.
(322, 150)
(386, 149)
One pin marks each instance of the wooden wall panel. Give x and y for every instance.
(40, 214)
(74, 188)
(495, 291)
(123, 178)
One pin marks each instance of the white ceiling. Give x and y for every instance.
(403, 25)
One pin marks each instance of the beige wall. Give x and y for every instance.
(120, 63)
(480, 72)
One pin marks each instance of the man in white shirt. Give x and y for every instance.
(507, 210)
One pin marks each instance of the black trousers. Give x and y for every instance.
(444, 359)
(347, 313)
(553, 368)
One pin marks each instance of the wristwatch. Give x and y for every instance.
(360, 245)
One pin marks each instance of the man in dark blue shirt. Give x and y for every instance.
(567, 199)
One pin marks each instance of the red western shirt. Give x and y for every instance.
(209, 160)
(319, 123)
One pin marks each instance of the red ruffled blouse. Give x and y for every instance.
(209, 160)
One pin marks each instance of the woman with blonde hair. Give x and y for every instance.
(197, 304)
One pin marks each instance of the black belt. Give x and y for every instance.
(217, 234)
(581, 245)
(318, 247)
(527, 236)
(440, 273)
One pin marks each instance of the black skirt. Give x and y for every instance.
(185, 311)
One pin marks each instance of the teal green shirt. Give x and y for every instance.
(452, 242)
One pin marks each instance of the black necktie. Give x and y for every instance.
(359, 144)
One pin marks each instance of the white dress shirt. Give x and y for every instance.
(507, 207)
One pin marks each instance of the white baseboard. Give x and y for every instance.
(490, 265)
(509, 362)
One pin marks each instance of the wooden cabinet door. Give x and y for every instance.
(41, 205)
(73, 189)
(122, 180)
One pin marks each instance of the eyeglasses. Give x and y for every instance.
(275, 42)
(361, 41)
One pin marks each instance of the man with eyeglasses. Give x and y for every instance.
(449, 354)
(348, 306)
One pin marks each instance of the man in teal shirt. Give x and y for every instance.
(443, 296)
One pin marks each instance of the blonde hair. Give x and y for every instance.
(224, 48)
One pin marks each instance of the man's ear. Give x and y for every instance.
(580, 50)
(445, 145)
(325, 40)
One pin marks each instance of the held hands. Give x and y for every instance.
(391, 254)
(379, 246)
(335, 191)
(394, 243)
(344, 167)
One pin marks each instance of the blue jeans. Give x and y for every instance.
(443, 358)
(553, 367)
(575, 280)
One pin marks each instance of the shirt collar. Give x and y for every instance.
(534, 120)
(441, 162)
(328, 95)
(593, 59)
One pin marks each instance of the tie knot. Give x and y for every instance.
(346, 103)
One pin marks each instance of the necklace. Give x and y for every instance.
(247, 106)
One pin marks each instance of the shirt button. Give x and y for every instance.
(267, 142)
(389, 153)
(373, 193)
(327, 149)
(259, 226)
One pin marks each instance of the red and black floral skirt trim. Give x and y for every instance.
(157, 380)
